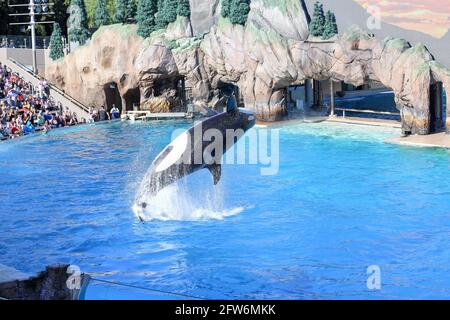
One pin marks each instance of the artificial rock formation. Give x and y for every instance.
(272, 51)
(51, 284)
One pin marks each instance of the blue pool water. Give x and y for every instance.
(343, 200)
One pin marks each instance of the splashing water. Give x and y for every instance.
(177, 202)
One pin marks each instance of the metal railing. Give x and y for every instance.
(150, 290)
(23, 42)
(344, 110)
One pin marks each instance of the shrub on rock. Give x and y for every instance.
(184, 8)
(239, 10)
(225, 10)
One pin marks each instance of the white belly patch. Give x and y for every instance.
(178, 147)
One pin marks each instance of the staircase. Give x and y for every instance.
(57, 95)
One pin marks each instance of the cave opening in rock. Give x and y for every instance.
(167, 95)
(438, 108)
(299, 96)
(132, 99)
(374, 99)
(112, 96)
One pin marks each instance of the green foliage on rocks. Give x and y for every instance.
(354, 33)
(78, 24)
(236, 10)
(146, 17)
(124, 30)
(184, 8)
(239, 10)
(56, 43)
(317, 24)
(125, 11)
(225, 10)
(330, 28)
(101, 17)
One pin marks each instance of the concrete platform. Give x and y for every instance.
(146, 115)
(437, 140)
(366, 121)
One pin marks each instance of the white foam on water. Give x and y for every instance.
(177, 203)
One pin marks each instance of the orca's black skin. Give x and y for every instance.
(156, 179)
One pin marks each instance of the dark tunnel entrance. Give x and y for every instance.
(132, 99)
(437, 107)
(112, 96)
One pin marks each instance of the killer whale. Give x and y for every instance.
(185, 154)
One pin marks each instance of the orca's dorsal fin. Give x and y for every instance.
(216, 171)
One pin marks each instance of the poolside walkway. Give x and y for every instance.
(437, 140)
(366, 121)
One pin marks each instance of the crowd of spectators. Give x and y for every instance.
(25, 109)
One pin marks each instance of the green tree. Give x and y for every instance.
(330, 28)
(317, 24)
(101, 14)
(61, 14)
(239, 10)
(56, 43)
(184, 8)
(90, 10)
(77, 24)
(167, 13)
(146, 17)
(225, 11)
(111, 7)
(125, 11)
(159, 18)
(170, 10)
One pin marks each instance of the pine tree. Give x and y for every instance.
(56, 43)
(90, 5)
(78, 25)
(125, 11)
(101, 14)
(239, 10)
(316, 26)
(167, 13)
(159, 16)
(146, 17)
(184, 8)
(170, 10)
(330, 28)
(225, 11)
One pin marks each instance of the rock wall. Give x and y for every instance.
(272, 51)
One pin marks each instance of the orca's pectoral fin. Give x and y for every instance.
(216, 171)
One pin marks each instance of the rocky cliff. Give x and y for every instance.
(272, 51)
